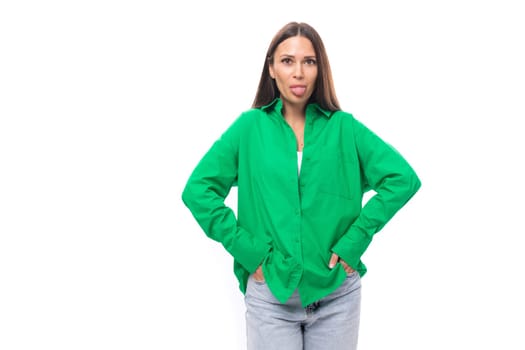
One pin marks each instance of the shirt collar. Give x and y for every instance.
(277, 105)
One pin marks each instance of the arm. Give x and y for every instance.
(386, 172)
(204, 195)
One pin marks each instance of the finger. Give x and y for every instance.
(333, 260)
(347, 267)
(258, 274)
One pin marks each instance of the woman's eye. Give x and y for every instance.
(310, 61)
(286, 60)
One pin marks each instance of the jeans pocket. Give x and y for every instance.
(257, 281)
(352, 274)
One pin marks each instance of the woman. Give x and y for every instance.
(301, 165)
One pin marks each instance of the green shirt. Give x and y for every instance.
(292, 224)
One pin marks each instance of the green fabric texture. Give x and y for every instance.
(292, 224)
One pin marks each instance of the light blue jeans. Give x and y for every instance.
(331, 323)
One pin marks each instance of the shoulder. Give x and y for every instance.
(345, 119)
(252, 114)
(248, 118)
(243, 123)
(343, 116)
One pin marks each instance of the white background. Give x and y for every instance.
(106, 106)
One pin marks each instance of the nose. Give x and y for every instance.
(298, 71)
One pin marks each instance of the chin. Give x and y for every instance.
(297, 100)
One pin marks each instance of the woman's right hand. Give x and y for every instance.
(334, 259)
(258, 274)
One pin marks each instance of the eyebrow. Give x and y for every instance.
(288, 55)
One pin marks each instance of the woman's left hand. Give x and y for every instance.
(334, 259)
(258, 274)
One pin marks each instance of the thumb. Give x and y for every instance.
(333, 260)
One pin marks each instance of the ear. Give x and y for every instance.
(270, 69)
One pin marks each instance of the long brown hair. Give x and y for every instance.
(324, 91)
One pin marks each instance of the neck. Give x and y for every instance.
(293, 113)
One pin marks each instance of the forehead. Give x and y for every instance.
(294, 46)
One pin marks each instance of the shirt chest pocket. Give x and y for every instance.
(340, 175)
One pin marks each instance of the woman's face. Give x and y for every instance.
(294, 69)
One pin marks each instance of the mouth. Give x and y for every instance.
(298, 90)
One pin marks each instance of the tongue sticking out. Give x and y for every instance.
(298, 90)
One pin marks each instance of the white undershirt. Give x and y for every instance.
(299, 160)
